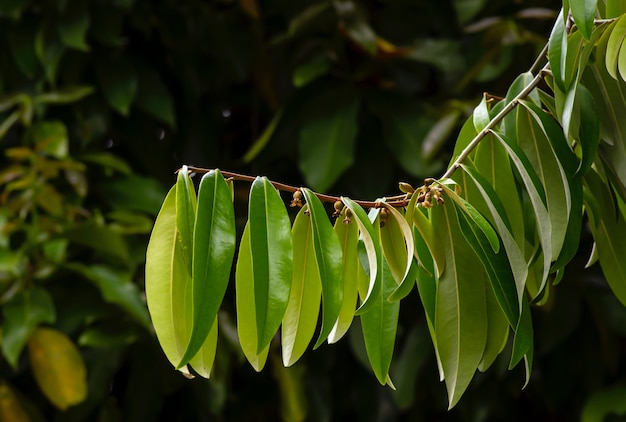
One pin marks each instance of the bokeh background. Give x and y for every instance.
(102, 100)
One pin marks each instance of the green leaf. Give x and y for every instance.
(119, 84)
(327, 145)
(537, 198)
(460, 310)
(202, 362)
(264, 139)
(604, 404)
(496, 266)
(544, 157)
(154, 97)
(312, 69)
(185, 215)
(246, 305)
(329, 260)
(22, 314)
(584, 12)
(51, 138)
(480, 117)
(168, 283)
(272, 258)
(497, 331)
(348, 234)
(58, 367)
(523, 340)
(379, 325)
(73, 28)
(397, 244)
(116, 287)
(374, 254)
(557, 51)
(300, 318)
(214, 240)
(66, 95)
(616, 39)
(605, 221)
(427, 232)
(589, 130)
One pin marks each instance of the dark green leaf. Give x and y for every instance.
(154, 97)
(116, 287)
(214, 242)
(589, 131)
(460, 310)
(379, 324)
(557, 51)
(22, 315)
(327, 145)
(119, 84)
(272, 258)
(73, 28)
(329, 262)
(604, 404)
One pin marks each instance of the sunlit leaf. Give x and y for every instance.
(300, 318)
(202, 362)
(213, 252)
(374, 253)
(329, 259)
(584, 12)
(246, 305)
(272, 258)
(58, 367)
(168, 291)
(397, 244)
(557, 51)
(618, 34)
(348, 235)
(480, 116)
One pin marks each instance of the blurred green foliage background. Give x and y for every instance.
(101, 101)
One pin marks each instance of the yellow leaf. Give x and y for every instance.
(11, 410)
(58, 367)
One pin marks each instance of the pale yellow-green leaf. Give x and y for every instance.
(58, 367)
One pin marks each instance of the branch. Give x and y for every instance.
(394, 201)
(493, 122)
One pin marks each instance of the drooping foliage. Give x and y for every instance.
(481, 244)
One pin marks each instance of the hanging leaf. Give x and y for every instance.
(497, 268)
(480, 117)
(606, 220)
(557, 51)
(615, 41)
(379, 325)
(497, 331)
(397, 244)
(22, 314)
(425, 228)
(58, 367)
(272, 258)
(119, 83)
(300, 318)
(327, 146)
(523, 341)
(202, 362)
(589, 130)
(348, 234)
(374, 254)
(460, 310)
(496, 208)
(167, 283)
(185, 215)
(214, 241)
(246, 305)
(584, 12)
(329, 259)
(537, 197)
(264, 139)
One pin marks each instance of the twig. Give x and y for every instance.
(395, 202)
